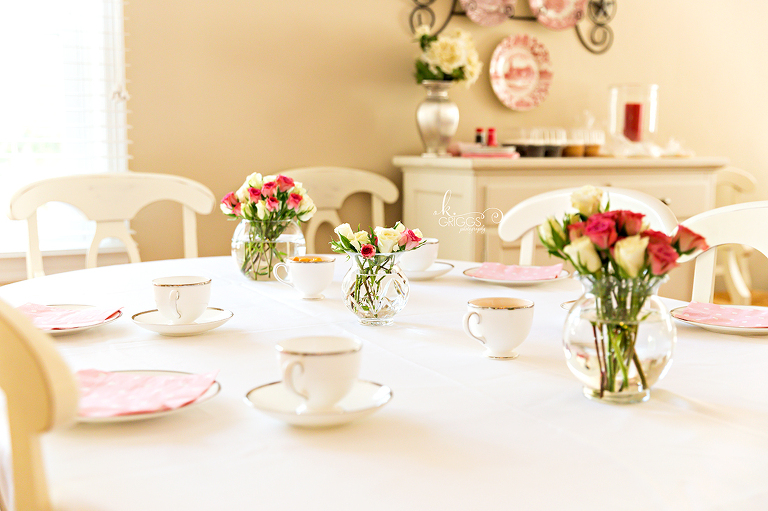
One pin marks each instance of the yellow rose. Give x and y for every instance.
(629, 254)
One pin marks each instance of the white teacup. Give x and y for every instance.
(502, 324)
(421, 258)
(308, 274)
(319, 369)
(182, 300)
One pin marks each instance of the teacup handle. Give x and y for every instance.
(278, 277)
(288, 370)
(467, 328)
(174, 297)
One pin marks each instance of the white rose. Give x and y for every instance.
(307, 208)
(417, 232)
(629, 254)
(253, 181)
(242, 193)
(582, 252)
(345, 230)
(547, 228)
(261, 210)
(446, 53)
(421, 31)
(388, 238)
(587, 200)
(359, 239)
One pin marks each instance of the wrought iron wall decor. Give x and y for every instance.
(598, 38)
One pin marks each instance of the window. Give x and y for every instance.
(62, 107)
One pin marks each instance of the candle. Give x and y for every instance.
(633, 121)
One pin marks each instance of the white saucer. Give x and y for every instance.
(209, 394)
(470, 272)
(278, 402)
(153, 320)
(437, 269)
(69, 306)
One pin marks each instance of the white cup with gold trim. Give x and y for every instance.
(501, 324)
(309, 274)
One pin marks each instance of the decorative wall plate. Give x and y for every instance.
(558, 14)
(521, 72)
(488, 13)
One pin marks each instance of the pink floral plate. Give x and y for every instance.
(488, 13)
(558, 14)
(521, 72)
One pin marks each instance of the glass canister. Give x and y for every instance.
(634, 111)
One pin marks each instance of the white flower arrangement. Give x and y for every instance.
(448, 57)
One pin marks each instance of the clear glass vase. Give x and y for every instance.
(257, 246)
(618, 338)
(375, 289)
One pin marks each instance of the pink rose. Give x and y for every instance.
(268, 189)
(231, 205)
(576, 231)
(629, 221)
(688, 241)
(663, 258)
(254, 194)
(284, 183)
(601, 229)
(409, 239)
(656, 237)
(272, 204)
(367, 251)
(293, 201)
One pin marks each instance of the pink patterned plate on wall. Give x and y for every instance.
(488, 13)
(558, 14)
(521, 72)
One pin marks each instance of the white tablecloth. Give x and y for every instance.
(462, 432)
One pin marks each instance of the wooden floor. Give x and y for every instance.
(758, 298)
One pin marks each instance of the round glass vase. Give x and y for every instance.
(375, 289)
(257, 246)
(618, 338)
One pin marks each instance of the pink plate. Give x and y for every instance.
(521, 72)
(558, 14)
(488, 13)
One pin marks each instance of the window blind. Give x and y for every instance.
(62, 106)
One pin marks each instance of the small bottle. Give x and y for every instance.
(479, 137)
(492, 142)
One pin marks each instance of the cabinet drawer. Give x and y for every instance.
(685, 194)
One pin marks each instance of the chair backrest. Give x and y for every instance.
(733, 182)
(111, 200)
(41, 394)
(329, 187)
(735, 224)
(522, 220)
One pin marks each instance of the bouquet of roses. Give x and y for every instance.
(269, 205)
(623, 262)
(374, 288)
(448, 57)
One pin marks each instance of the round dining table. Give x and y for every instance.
(461, 431)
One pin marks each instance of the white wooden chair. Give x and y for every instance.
(736, 224)
(41, 394)
(732, 264)
(329, 187)
(111, 200)
(521, 221)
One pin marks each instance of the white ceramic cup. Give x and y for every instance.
(502, 324)
(308, 274)
(319, 369)
(182, 300)
(420, 259)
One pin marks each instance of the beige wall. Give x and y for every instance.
(222, 89)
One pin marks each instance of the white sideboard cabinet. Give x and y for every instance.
(461, 200)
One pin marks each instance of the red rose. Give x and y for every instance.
(576, 231)
(602, 231)
(663, 258)
(656, 237)
(254, 194)
(688, 241)
(284, 183)
(272, 204)
(268, 189)
(367, 251)
(294, 200)
(629, 222)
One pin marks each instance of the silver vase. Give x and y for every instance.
(437, 117)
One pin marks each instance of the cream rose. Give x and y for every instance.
(583, 254)
(345, 230)
(547, 228)
(629, 254)
(307, 209)
(587, 200)
(388, 237)
(446, 53)
(359, 239)
(261, 210)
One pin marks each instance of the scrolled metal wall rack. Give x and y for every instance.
(597, 40)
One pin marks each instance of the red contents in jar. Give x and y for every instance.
(633, 121)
